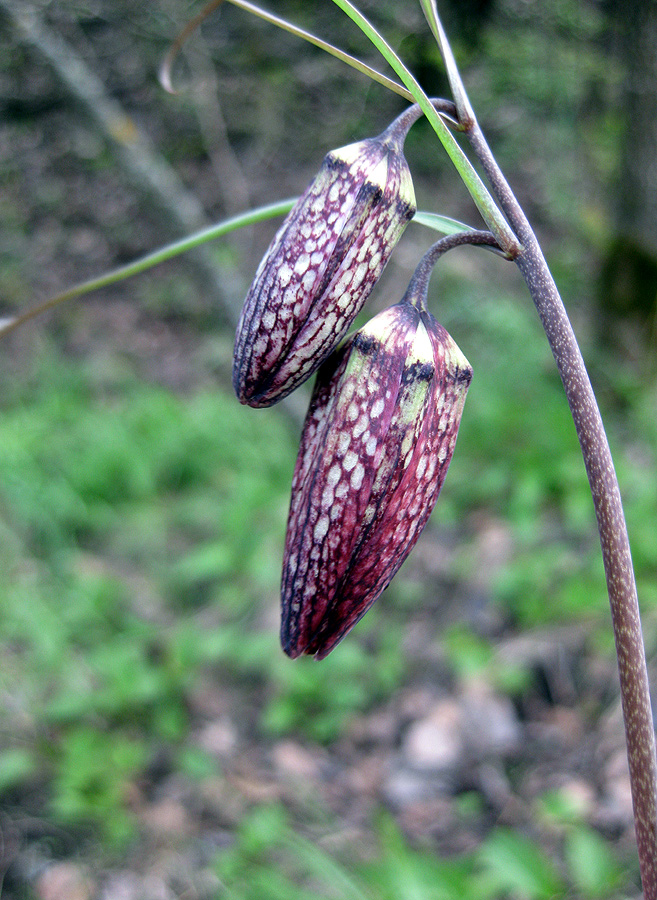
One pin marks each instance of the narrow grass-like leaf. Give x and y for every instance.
(144, 263)
(324, 868)
(442, 224)
(363, 68)
(591, 863)
(478, 191)
(515, 865)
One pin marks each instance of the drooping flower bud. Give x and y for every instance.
(376, 444)
(322, 264)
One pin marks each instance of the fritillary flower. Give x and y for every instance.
(377, 441)
(322, 264)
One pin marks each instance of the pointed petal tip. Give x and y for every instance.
(289, 647)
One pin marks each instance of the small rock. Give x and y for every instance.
(128, 886)
(490, 724)
(580, 796)
(404, 788)
(366, 775)
(293, 760)
(64, 881)
(155, 887)
(122, 886)
(208, 700)
(167, 819)
(415, 703)
(567, 723)
(381, 727)
(218, 738)
(434, 742)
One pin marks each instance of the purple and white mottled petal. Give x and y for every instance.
(378, 439)
(401, 519)
(339, 460)
(321, 266)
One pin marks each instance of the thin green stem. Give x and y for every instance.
(151, 259)
(480, 194)
(410, 89)
(436, 222)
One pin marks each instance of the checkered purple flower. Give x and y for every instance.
(322, 264)
(377, 441)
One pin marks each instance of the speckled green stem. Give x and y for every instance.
(619, 572)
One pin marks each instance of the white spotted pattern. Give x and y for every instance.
(322, 263)
(365, 486)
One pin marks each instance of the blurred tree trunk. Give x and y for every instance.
(629, 283)
(637, 214)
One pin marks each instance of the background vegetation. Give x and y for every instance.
(465, 740)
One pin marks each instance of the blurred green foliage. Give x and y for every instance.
(143, 541)
(142, 533)
(269, 860)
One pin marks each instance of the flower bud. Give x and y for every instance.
(377, 441)
(322, 265)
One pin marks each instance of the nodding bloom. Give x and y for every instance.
(375, 447)
(322, 264)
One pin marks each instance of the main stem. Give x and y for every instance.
(635, 696)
